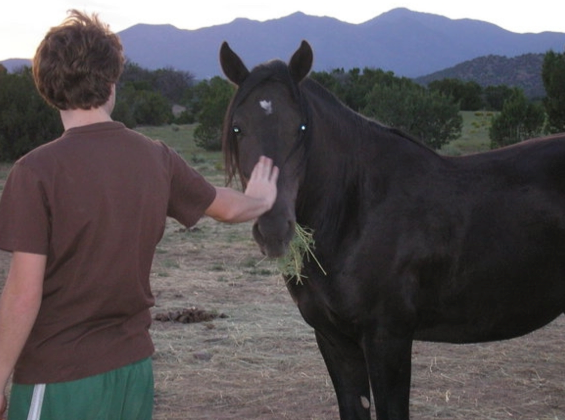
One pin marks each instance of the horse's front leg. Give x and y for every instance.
(348, 371)
(389, 364)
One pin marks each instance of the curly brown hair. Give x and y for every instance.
(77, 63)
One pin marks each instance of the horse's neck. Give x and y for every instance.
(349, 159)
(330, 194)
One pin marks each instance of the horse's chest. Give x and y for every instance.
(339, 299)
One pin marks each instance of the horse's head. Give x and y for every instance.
(267, 116)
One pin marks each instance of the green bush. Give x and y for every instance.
(553, 76)
(518, 121)
(426, 114)
(26, 121)
(214, 96)
(208, 137)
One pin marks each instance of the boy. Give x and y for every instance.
(82, 216)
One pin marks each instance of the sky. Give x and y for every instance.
(23, 23)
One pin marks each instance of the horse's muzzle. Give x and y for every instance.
(273, 242)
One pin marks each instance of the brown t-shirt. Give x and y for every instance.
(95, 201)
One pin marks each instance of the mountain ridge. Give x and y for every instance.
(523, 71)
(410, 44)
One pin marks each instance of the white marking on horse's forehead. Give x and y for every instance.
(267, 106)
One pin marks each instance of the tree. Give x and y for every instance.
(215, 98)
(519, 120)
(26, 121)
(468, 94)
(495, 96)
(553, 76)
(152, 108)
(172, 84)
(428, 115)
(352, 87)
(134, 73)
(146, 97)
(137, 104)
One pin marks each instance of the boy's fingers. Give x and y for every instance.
(274, 174)
(263, 168)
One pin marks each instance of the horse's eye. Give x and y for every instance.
(236, 130)
(303, 127)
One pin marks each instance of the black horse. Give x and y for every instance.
(416, 246)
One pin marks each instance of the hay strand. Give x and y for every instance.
(302, 245)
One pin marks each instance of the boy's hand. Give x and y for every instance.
(263, 181)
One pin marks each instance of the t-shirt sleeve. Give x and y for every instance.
(191, 194)
(24, 213)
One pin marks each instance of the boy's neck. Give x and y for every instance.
(79, 117)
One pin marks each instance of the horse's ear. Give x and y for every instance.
(232, 66)
(301, 62)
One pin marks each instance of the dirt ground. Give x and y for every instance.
(255, 358)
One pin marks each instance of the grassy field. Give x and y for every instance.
(181, 138)
(259, 359)
(474, 136)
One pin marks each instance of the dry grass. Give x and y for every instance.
(301, 247)
(257, 363)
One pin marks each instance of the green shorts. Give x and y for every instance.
(121, 394)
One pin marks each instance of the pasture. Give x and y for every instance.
(257, 359)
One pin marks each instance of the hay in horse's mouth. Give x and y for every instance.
(302, 245)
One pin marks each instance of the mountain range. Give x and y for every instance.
(408, 43)
(523, 71)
